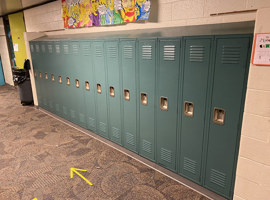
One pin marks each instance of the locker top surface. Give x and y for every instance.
(199, 30)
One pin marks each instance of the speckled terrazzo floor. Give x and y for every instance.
(37, 152)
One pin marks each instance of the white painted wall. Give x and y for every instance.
(5, 55)
(253, 170)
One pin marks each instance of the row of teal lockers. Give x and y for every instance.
(175, 101)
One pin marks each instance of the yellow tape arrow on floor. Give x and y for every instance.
(35, 199)
(75, 171)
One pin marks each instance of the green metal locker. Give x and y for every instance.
(231, 65)
(41, 76)
(129, 109)
(87, 82)
(167, 98)
(35, 64)
(197, 52)
(66, 79)
(77, 110)
(114, 93)
(55, 86)
(147, 84)
(100, 88)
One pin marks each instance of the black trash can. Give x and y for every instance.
(21, 78)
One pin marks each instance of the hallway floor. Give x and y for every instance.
(37, 152)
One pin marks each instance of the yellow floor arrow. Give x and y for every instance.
(75, 171)
(35, 199)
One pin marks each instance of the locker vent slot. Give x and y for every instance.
(147, 146)
(86, 49)
(190, 165)
(57, 48)
(218, 178)
(72, 114)
(65, 110)
(147, 52)
(57, 107)
(92, 122)
(112, 53)
(99, 51)
(50, 48)
(169, 52)
(37, 48)
(82, 118)
(128, 51)
(166, 155)
(196, 53)
(102, 127)
(32, 48)
(75, 48)
(230, 55)
(115, 132)
(66, 49)
(130, 139)
(43, 48)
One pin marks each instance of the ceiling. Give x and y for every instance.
(11, 6)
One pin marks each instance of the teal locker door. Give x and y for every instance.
(35, 66)
(77, 86)
(41, 73)
(226, 112)
(129, 115)
(87, 76)
(167, 93)
(114, 92)
(196, 68)
(56, 87)
(147, 84)
(66, 79)
(100, 88)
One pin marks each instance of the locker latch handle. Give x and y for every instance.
(144, 99)
(77, 83)
(126, 95)
(87, 86)
(163, 103)
(52, 77)
(35, 73)
(60, 79)
(98, 88)
(111, 91)
(40, 75)
(219, 116)
(189, 109)
(46, 76)
(68, 81)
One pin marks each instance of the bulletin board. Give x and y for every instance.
(261, 49)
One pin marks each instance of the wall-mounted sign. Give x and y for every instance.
(84, 13)
(261, 49)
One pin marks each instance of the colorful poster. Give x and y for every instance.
(85, 13)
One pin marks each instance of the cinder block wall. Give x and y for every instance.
(253, 171)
